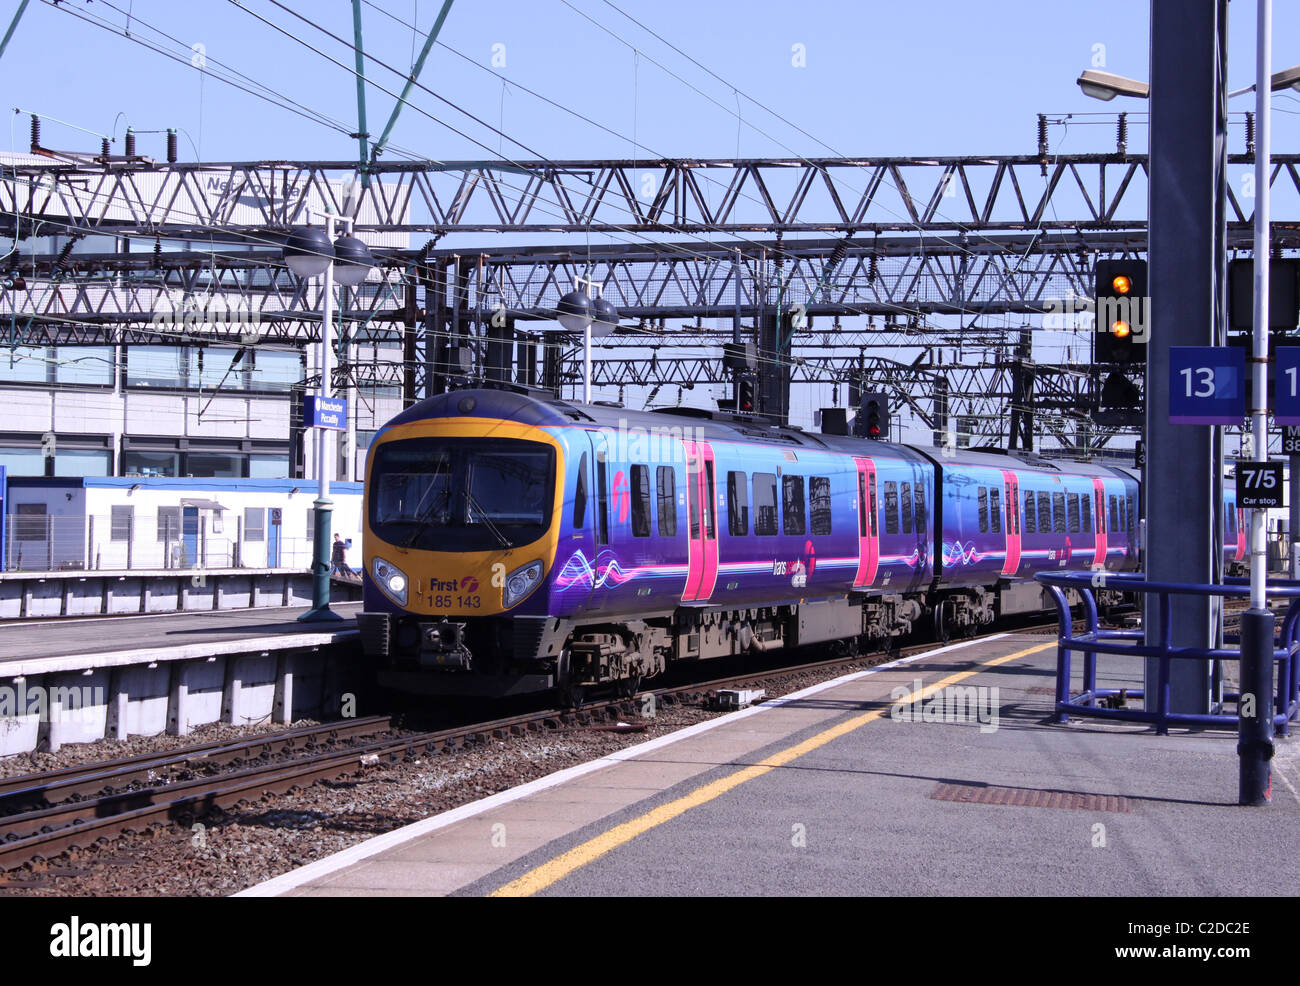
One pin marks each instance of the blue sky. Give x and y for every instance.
(877, 77)
(867, 78)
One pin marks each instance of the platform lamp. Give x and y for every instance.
(578, 312)
(309, 252)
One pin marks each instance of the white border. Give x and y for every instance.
(371, 847)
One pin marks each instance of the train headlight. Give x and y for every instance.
(391, 579)
(520, 583)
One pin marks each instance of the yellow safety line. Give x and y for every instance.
(551, 872)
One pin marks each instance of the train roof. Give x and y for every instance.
(542, 409)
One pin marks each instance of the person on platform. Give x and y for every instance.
(338, 558)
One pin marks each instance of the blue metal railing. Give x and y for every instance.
(1129, 643)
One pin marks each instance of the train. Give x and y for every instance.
(515, 542)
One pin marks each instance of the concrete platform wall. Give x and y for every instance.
(48, 595)
(44, 712)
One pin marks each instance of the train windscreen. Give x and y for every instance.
(461, 494)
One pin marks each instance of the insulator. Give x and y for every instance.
(64, 254)
(837, 255)
(1121, 133)
(157, 254)
(36, 133)
(1042, 143)
(171, 146)
(103, 147)
(1250, 134)
(130, 142)
(873, 269)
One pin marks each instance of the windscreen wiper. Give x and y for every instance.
(411, 538)
(487, 521)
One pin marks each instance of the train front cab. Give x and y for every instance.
(462, 516)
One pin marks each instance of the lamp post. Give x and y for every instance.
(578, 311)
(1255, 719)
(310, 252)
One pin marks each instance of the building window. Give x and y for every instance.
(254, 524)
(30, 522)
(169, 523)
(123, 519)
(150, 464)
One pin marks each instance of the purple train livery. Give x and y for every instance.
(517, 543)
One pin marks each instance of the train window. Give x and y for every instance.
(1044, 512)
(983, 497)
(905, 501)
(872, 508)
(710, 500)
(1058, 512)
(1130, 519)
(1073, 500)
(667, 480)
(792, 504)
(862, 504)
(580, 496)
(738, 504)
(919, 491)
(1031, 516)
(641, 501)
(1086, 514)
(765, 504)
(693, 497)
(995, 509)
(1114, 513)
(891, 508)
(602, 501)
(819, 496)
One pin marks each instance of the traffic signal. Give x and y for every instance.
(873, 417)
(1120, 304)
(745, 396)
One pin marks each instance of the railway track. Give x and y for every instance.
(44, 815)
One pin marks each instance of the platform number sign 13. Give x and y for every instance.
(1207, 385)
(1259, 484)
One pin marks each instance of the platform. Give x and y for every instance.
(830, 792)
(81, 680)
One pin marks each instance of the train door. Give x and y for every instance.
(868, 522)
(273, 539)
(701, 505)
(580, 573)
(190, 536)
(920, 528)
(1011, 523)
(1099, 523)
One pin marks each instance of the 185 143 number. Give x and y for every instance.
(449, 601)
